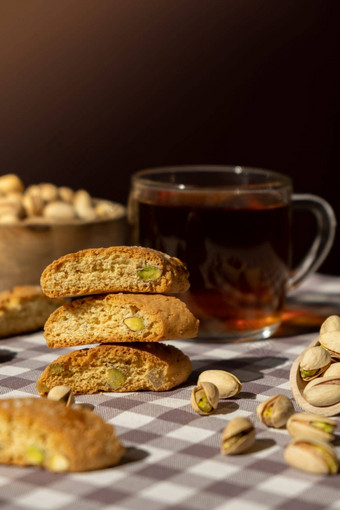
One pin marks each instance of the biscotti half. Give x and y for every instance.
(120, 318)
(47, 434)
(24, 309)
(114, 269)
(117, 368)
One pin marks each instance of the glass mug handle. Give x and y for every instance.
(326, 225)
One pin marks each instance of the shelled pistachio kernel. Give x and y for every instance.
(34, 454)
(238, 436)
(275, 411)
(311, 425)
(228, 384)
(314, 362)
(204, 398)
(134, 323)
(115, 378)
(61, 394)
(149, 273)
(311, 455)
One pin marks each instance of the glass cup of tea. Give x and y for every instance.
(232, 227)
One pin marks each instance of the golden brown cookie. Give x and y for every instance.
(48, 434)
(115, 269)
(120, 318)
(24, 309)
(117, 367)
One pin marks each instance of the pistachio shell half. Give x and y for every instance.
(62, 394)
(314, 362)
(331, 342)
(204, 398)
(228, 385)
(322, 392)
(311, 425)
(312, 455)
(275, 411)
(238, 436)
(332, 323)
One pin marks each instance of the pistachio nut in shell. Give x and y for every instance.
(314, 362)
(228, 384)
(275, 411)
(323, 391)
(331, 342)
(204, 398)
(238, 436)
(311, 425)
(332, 370)
(332, 323)
(312, 455)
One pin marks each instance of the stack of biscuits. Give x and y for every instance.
(125, 313)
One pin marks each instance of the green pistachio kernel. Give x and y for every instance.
(149, 273)
(115, 378)
(268, 412)
(307, 373)
(56, 368)
(202, 402)
(326, 427)
(34, 454)
(134, 323)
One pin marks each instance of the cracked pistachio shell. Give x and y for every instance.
(332, 370)
(238, 436)
(331, 342)
(314, 362)
(322, 392)
(312, 455)
(204, 398)
(332, 323)
(228, 385)
(275, 411)
(62, 394)
(311, 425)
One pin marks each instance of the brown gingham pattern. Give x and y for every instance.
(173, 458)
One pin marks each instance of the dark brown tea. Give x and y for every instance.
(238, 256)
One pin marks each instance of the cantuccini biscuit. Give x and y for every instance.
(114, 269)
(117, 368)
(24, 309)
(48, 434)
(120, 318)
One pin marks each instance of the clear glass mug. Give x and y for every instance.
(232, 227)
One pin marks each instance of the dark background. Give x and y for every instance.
(91, 91)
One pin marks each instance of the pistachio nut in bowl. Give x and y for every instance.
(314, 362)
(311, 455)
(330, 341)
(42, 222)
(311, 425)
(321, 400)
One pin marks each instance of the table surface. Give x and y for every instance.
(173, 457)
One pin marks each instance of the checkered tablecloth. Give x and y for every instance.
(173, 457)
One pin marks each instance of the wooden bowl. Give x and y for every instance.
(297, 385)
(26, 248)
